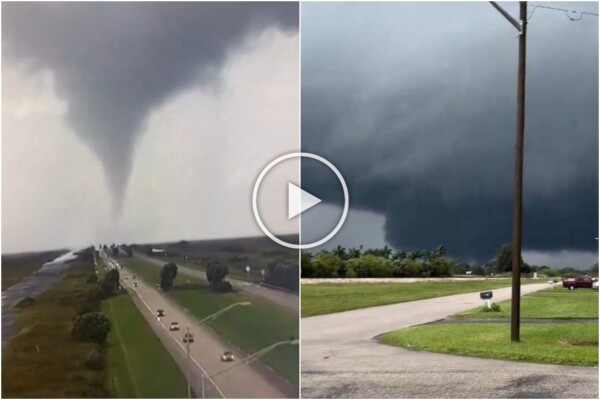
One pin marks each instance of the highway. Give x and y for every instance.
(287, 300)
(225, 379)
(341, 359)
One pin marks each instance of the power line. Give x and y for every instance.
(580, 13)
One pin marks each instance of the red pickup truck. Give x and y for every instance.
(579, 283)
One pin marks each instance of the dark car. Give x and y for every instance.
(188, 338)
(160, 313)
(578, 283)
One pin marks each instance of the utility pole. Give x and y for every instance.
(189, 385)
(521, 25)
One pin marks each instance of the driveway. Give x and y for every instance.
(341, 359)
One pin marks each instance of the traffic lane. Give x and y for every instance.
(251, 381)
(286, 300)
(351, 326)
(370, 370)
(177, 352)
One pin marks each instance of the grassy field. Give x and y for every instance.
(42, 360)
(569, 344)
(330, 298)
(251, 328)
(135, 353)
(558, 303)
(15, 267)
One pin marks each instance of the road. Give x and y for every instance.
(253, 380)
(341, 359)
(287, 300)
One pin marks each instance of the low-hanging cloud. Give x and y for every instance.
(114, 63)
(416, 104)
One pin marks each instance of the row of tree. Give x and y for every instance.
(376, 263)
(386, 262)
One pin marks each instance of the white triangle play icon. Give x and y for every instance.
(299, 200)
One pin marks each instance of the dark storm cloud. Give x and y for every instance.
(416, 103)
(115, 62)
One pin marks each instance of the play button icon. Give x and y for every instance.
(299, 200)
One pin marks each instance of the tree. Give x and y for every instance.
(477, 270)
(504, 259)
(111, 283)
(215, 274)
(307, 268)
(354, 252)
(91, 327)
(168, 273)
(326, 265)
(340, 252)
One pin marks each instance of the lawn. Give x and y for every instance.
(42, 360)
(330, 298)
(558, 303)
(568, 344)
(16, 267)
(251, 327)
(135, 353)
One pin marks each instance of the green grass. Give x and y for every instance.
(16, 267)
(568, 344)
(135, 354)
(328, 298)
(251, 327)
(558, 303)
(56, 370)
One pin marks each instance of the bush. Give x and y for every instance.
(326, 265)
(93, 278)
(91, 327)
(493, 308)
(407, 268)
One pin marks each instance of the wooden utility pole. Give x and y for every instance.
(521, 26)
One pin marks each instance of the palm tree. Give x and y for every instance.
(340, 252)
(399, 255)
(354, 252)
(386, 251)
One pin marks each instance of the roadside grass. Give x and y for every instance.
(252, 328)
(16, 267)
(42, 360)
(557, 303)
(330, 298)
(567, 344)
(138, 364)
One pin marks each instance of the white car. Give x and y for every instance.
(174, 326)
(595, 284)
(227, 356)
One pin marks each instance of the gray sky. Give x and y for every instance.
(415, 104)
(140, 122)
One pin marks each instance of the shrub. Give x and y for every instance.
(91, 327)
(93, 278)
(493, 308)
(326, 265)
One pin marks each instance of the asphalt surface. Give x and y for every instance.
(224, 379)
(286, 300)
(341, 359)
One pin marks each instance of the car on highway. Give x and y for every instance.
(160, 313)
(134, 284)
(188, 338)
(227, 356)
(174, 326)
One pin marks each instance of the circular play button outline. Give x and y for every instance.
(283, 242)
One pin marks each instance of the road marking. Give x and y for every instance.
(183, 348)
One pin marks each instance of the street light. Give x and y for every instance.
(203, 321)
